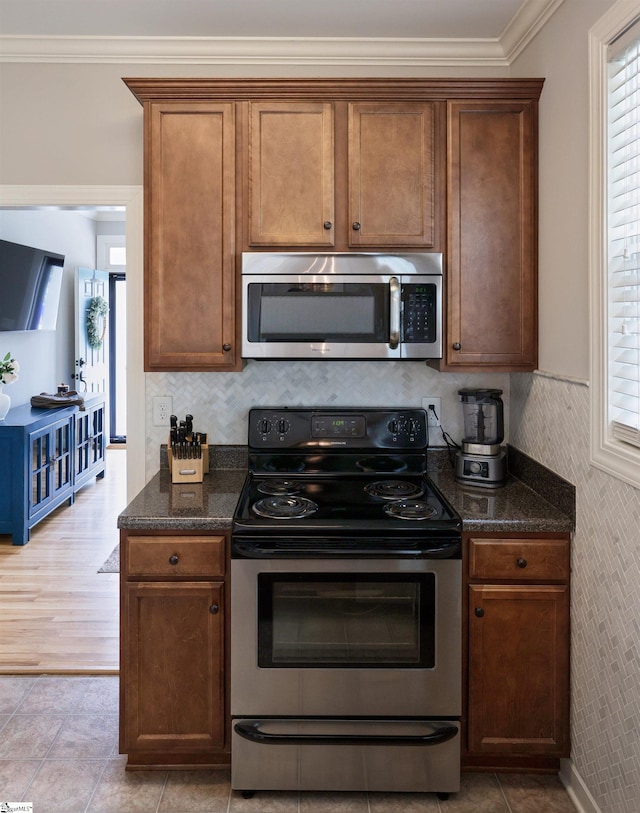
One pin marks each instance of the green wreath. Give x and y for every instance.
(98, 309)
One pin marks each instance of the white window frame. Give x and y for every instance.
(104, 242)
(607, 452)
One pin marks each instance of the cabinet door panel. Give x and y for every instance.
(190, 232)
(291, 186)
(518, 669)
(173, 678)
(391, 174)
(492, 313)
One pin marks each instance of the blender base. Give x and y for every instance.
(485, 471)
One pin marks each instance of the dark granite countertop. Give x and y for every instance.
(534, 501)
(514, 508)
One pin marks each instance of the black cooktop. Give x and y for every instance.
(340, 471)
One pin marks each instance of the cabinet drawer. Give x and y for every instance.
(176, 556)
(519, 559)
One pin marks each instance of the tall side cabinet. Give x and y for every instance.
(49, 454)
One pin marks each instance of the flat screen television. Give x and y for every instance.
(30, 285)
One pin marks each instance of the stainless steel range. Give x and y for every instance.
(345, 607)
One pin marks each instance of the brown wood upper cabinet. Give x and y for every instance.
(291, 188)
(441, 164)
(306, 189)
(492, 316)
(189, 282)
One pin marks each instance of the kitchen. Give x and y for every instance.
(547, 412)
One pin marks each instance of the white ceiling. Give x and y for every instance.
(430, 19)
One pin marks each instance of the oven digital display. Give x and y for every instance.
(338, 426)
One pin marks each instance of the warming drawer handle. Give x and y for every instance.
(394, 313)
(251, 732)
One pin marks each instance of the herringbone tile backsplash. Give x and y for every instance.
(219, 402)
(550, 422)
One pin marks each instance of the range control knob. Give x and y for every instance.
(394, 427)
(264, 426)
(283, 426)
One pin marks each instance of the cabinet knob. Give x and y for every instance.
(521, 562)
(356, 226)
(214, 609)
(328, 225)
(479, 612)
(173, 560)
(456, 345)
(226, 347)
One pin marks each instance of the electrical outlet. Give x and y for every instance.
(434, 415)
(162, 407)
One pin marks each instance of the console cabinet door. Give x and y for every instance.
(51, 466)
(291, 181)
(392, 174)
(518, 669)
(492, 261)
(173, 674)
(190, 237)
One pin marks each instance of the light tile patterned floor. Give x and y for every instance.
(59, 750)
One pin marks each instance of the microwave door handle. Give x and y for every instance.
(394, 313)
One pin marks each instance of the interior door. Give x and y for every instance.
(91, 331)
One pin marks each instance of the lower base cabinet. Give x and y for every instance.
(173, 615)
(517, 703)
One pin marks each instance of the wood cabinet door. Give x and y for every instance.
(391, 174)
(190, 237)
(492, 262)
(173, 666)
(518, 670)
(291, 174)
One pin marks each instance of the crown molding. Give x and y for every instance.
(320, 51)
(254, 51)
(531, 17)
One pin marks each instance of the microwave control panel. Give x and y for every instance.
(418, 312)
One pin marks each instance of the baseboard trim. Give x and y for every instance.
(576, 788)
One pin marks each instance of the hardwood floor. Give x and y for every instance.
(57, 613)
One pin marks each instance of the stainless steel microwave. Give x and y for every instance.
(341, 306)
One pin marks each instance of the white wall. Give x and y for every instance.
(46, 358)
(550, 421)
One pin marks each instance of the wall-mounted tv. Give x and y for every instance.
(30, 284)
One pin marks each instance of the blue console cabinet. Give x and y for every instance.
(46, 455)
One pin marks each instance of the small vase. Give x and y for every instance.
(5, 404)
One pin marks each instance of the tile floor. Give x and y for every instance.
(59, 751)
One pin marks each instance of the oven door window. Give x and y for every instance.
(323, 312)
(346, 621)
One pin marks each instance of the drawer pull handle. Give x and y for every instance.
(521, 562)
(173, 560)
(479, 612)
(214, 609)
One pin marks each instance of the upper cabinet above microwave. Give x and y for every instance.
(342, 175)
(362, 165)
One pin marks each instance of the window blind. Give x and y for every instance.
(623, 141)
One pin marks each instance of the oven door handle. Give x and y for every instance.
(447, 549)
(251, 731)
(394, 313)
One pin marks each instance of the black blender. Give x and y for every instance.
(482, 461)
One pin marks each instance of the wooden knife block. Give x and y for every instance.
(188, 470)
